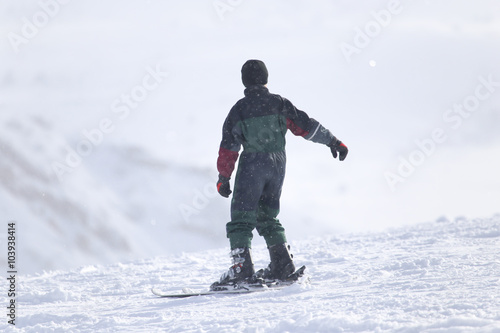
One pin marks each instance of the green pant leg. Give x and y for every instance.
(248, 187)
(239, 230)
(269, 227)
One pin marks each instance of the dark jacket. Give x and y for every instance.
(259, 123)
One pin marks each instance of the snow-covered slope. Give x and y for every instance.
(140, 89)
(435, 277)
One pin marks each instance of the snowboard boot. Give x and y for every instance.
(242, 270)
(281, 266)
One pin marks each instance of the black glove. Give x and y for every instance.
(223, 186)
(338, 146)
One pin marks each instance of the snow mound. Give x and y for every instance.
(118, 203)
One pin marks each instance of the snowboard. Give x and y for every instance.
(235, 289)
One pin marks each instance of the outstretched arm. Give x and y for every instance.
(299, 123)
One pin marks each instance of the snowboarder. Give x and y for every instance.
(259, 122)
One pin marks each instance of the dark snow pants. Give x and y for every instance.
(256, 199)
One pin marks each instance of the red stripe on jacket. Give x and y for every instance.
(296, 130)
(225, 162)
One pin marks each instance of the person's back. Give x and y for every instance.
(262, 124)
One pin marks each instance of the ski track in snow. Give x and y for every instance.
(434, 277)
